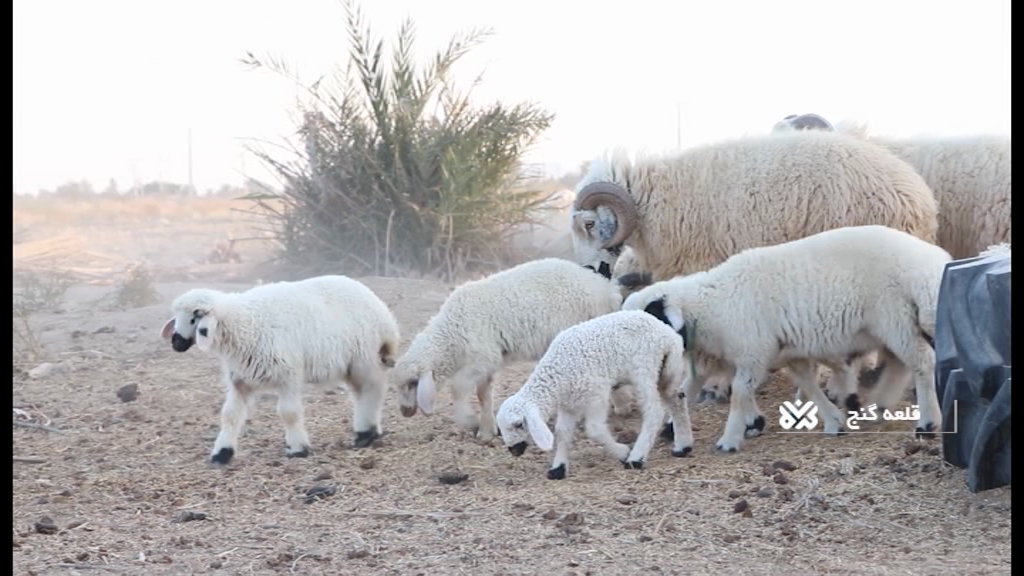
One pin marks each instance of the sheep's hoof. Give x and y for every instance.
(557, 473)
(300, 453)
(223, 456)
(408, 411)
(366, 437)
(756, 428)
(633, 464)
(682, 453)
(725, 448)
(668, 432)
(928, 431)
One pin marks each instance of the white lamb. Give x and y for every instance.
(508, 316)
(844, 291)
(576, 376)
(278, 337)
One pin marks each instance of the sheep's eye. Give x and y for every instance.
(203, 331)
(589, 225)
(193, 320)
(413, 383)
(519, 425)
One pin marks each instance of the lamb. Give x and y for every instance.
(969, 175)
(508, 316)
(577, 374)
(276, 338)
(689, 212)
(844, 291)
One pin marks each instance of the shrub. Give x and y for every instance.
(398, 171)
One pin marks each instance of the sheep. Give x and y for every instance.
(690, 212)
(808, 121)
(508, 316)
(969, 175)
(577, 374)
(276, 338)
(844, 291)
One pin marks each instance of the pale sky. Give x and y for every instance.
(109, 88)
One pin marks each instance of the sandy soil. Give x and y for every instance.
(122, 487)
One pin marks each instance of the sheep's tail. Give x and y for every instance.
(388, 353)
(673, 371)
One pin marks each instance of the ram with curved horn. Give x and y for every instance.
(690, 211)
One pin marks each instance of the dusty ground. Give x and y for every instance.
(118, 488)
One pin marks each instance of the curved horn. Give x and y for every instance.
(617, 200)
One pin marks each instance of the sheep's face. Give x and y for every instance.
(590, 230)
(181, 329)
(518, 421)
(415, 390)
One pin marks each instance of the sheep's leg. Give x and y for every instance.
(565, 429)
(465, 381)
(233, 416)
(596, 427)
(653, 417)
(289, 408)
(741, 418)
(805, 376)
(485, 394)
(682, 434)
(620, 399)
(367, 383)
(892, 380)
(919, 356)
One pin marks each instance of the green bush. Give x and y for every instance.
(400, 173)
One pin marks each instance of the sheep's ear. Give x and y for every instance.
(167, 330)
(539, 430)
(206, 332)
(675, 318)
(426, 393)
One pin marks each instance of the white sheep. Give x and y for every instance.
(277, 338)
(577, 374)
(843, 291)
(508, 316)
(969, 175)
(689, 212)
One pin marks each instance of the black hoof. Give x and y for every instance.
(303, 453)
(634, 465)
(557, 473)
(366, 437)
(757, 425)
(682, 453)
(853, 402)
(724, 450)
(668, 432)
(928, 431)
(223, 456)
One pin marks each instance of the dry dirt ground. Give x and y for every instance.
(122, 487)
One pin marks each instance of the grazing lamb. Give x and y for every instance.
(508, 316)
(279, 337)
(969, 175)
(689, 212)
(844, 291)
(575, 377)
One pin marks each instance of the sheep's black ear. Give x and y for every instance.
(605, 270)
(657, 309)
(635, 280)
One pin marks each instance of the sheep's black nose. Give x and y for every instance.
(517, 449)
(180, 343)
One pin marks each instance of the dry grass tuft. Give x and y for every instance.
(34, 291)
(137, 288)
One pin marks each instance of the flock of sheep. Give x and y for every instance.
(694, 275)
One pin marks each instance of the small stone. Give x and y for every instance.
(784, 465)
(626, 499)
(765, 493)
(740, 506)
(451, 478)
(45, 525)
(733, 494)
(731, 538)
(780, 478)
(128, 392)
(325, 475)
(189, 516)
(367, 463)
(550, 515)
(42, 370)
